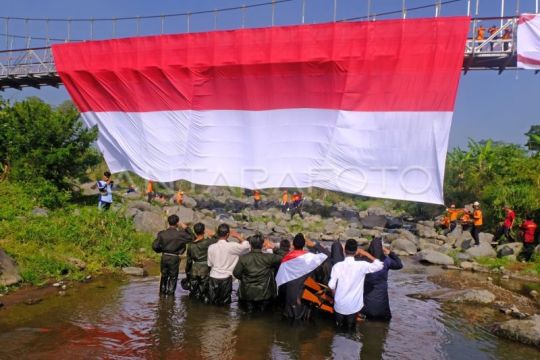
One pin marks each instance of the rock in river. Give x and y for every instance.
(484, 249)
(9, 274)
(435, 257)
(526, 331)
(134, 271)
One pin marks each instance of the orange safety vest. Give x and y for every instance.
(445, 221)
(150, 187)
(453, 214)
(466, 218)
(257, 196)
(285, 198)
(478, 219)
(179, 198)
(480, 34)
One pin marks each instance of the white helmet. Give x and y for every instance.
(476, 203)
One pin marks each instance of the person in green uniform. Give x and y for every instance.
(284, 247)
(255, 270)
(197, 269)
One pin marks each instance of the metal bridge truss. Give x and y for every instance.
(34, 67)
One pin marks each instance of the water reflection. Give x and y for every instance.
(130, 321)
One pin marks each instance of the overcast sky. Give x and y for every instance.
(489, 105)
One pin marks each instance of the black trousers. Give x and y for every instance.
(503, 230)
(198, 288)
(219, 291)
(475, 233)
(528, 251)
(296, 210)
(169, 274)
(254, 306)
(346, 321)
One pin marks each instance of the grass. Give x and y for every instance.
(43, 246)
(530, 268)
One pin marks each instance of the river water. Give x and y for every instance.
(119, 319)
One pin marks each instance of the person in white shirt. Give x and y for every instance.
(222, 258)
(347, 283)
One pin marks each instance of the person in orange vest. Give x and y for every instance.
(256, 199)
(179, 198)
(150, 190)
(285, 201)
(506, 227)
(452, 214)
(296, 207)
(466, 219)
(478, 221)
(492, 31)
(528, 229)
(507, 37)
(481, 33)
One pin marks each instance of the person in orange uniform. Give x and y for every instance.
(256, 199)
(466, 219)
(492, 31)
(150, 190)
(507, 36)
(285, 201)
(179, 198)
(453, 215)
(478, 221)
(480, 33)
(528, 228)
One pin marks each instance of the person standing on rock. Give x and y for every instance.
(256, 199)
(255, 270)
(105, 186)
(297, 203)
(197, 269)
(478, 221)
(222, 258)
(453, 215)
(466, 219)
(347, 283)
(528, 228)
(507, 225)
(179, 198)
(376, 302)
(150, 191)
(285, 201)
(171, 243)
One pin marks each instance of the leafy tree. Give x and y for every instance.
(533, 142)
(45, 146)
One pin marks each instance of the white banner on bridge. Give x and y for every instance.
(528, 45)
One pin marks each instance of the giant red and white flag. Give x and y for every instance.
(528, 44)
(359, 107)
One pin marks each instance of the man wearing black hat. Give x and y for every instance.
(347, 283)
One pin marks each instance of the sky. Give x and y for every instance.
(488, 105)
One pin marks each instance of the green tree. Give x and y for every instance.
(45, 146)
(533, 135)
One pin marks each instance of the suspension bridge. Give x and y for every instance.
(26, 58)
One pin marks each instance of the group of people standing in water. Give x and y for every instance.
(349, 282)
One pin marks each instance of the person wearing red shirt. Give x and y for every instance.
(528, 228)
(506, 227)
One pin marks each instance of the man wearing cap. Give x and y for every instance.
(347, 283)
(478, 221)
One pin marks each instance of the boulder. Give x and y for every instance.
(463, 256)
(408, 235)
(525, 331)
(509, 249)
(372, 221)
(189, 202)
(405, 246)
(466, 265)
(434, 257)
(474, 296)
(377, 211)
(149, 222)
(331, 227)
(485, 237)
(140, 205)
(426, 231)
(40, 212)
(134, 271)
(130, 213)
(394, 222)
(352, 232)
(484, 249)
(9, 273)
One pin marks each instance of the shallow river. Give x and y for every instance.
(116, 319)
